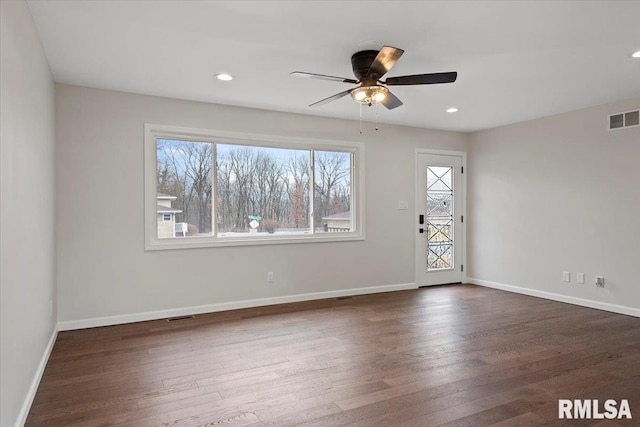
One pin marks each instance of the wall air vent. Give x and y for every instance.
(624, 120)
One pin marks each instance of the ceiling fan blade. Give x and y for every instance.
(323, 77)
(391, 101)
(423, 79)
(384, 61)
(331, 98)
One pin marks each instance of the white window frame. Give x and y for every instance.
(153, 132)
(165, 219)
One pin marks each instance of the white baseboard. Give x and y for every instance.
(31, 394)
(210, 308)
(620, 309)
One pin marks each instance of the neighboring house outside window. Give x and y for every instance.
(340, 221)
(166, 216)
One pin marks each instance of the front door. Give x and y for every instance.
(439, 219)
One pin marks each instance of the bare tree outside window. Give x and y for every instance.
(332, 200)
(184, 172)
(259, 182)
(258, 190)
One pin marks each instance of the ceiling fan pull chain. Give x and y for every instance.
(376, 107)
(360, 119)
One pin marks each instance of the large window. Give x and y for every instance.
(219, 189)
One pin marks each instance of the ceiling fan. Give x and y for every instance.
(369, 66)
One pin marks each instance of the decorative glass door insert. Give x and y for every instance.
(439, 218)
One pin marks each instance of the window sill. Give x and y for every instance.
(208, 242)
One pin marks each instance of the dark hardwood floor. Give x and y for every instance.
(458, 355)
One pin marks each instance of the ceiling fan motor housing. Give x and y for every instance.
(361, 62)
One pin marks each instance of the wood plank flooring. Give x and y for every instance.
(458, 355)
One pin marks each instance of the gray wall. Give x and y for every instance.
(558, 194)
(103, 270)
(27, 237)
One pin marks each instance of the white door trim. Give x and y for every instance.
(416, 225)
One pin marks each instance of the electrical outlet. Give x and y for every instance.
(566, 276)
(600, 281)
(580, 278)
(270, 277)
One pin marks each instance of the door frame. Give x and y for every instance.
(417, 208)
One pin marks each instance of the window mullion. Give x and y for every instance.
(312, 189)
(352, 207)
(214, 188)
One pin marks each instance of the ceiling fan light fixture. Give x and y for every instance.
(636, 54)
(359, 95)
(369, 95)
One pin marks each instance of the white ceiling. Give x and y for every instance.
(515, 60)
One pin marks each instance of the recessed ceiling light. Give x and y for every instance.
(224, 77)
(636, 54)
(452, 110)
